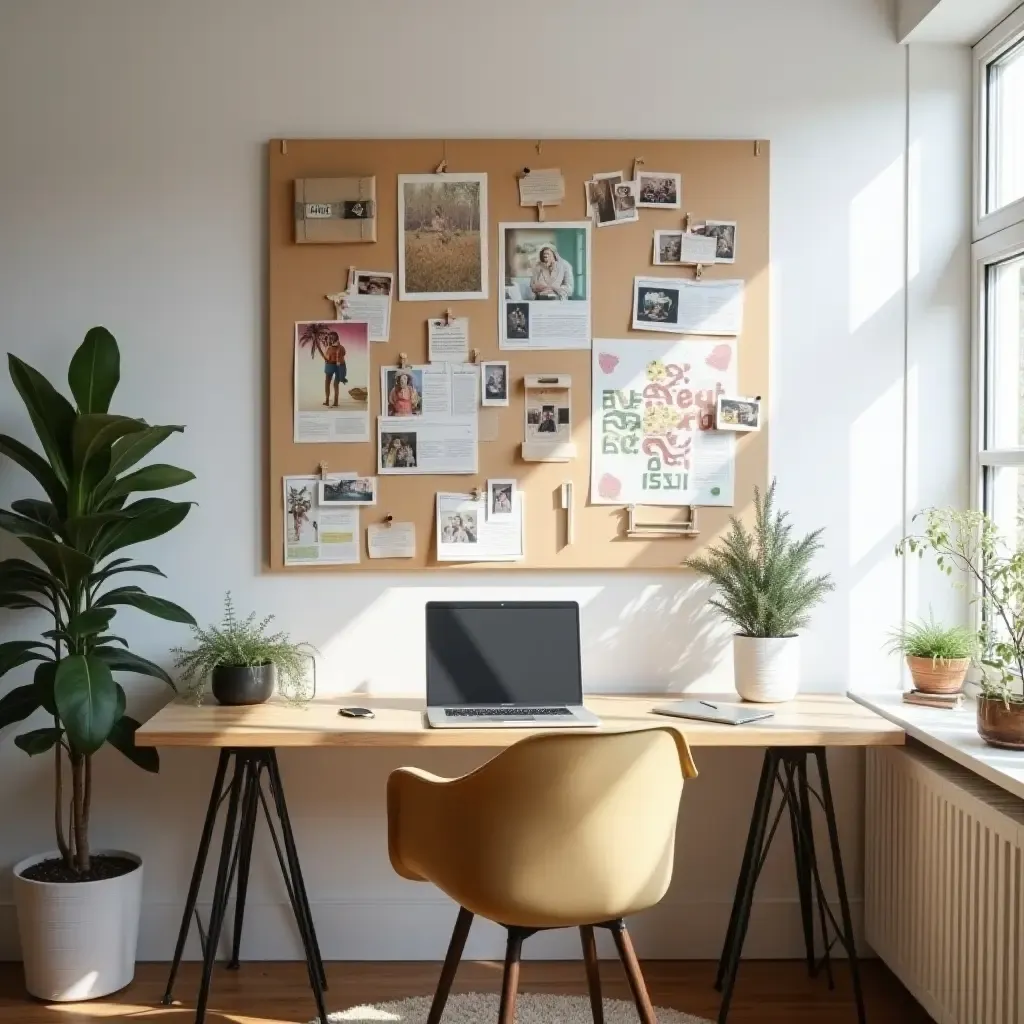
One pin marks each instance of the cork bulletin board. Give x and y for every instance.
(727, 180)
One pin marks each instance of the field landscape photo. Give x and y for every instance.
(443, 237)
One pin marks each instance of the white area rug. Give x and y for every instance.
(477, 1008)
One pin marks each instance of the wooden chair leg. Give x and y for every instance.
(593, 972)
(510, 982)
(451, 965)
(633, 973)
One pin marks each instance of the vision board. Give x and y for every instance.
(720, 180)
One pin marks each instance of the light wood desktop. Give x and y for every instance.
(830, 720)
(799, 732)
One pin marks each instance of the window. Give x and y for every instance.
(998, 429)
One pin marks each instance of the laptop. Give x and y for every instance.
(505, 664)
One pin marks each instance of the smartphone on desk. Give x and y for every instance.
(712, 711)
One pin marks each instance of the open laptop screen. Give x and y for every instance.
(503, 652)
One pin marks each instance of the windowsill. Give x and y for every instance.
(954, 734)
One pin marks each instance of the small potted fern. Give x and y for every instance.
(938, 656)
(766, 589)
(244, 662)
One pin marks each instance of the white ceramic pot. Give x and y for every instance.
(767, 668)
(78, 939)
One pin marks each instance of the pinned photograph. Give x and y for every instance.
(612, 200)
(546, 282)
(547, 417)
(459, 527)
(316, 535)
(368, 283)
(656, 307)
(724, 231)
(495, 384)
(367, 297)
(342, 489)
(403, 392)
(625, 198)
(501, 497)
(668, 247)
(741, 414)
(517, 321)
(659, 190)
(332, 367)
(398, 450)
(442, 236)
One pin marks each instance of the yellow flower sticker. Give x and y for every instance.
(656, 370)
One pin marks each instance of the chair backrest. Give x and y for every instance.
(571, 828)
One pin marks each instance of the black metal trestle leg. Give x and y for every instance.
(786, 768)
(245, 797)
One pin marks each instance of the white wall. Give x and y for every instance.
(131, 194)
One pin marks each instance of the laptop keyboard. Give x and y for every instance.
(503, 712)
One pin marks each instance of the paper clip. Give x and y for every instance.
(540, 211)
(322, 470)
(403, 360)
(698, 271)
(448, 317)
(638, 162)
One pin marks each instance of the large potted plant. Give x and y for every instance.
(78, 908)
(766, 589)
(970, 545)
(244, 662)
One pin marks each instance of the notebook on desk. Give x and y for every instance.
(712, 711)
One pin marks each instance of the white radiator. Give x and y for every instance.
(944, 885)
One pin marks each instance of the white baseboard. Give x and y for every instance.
(420, 929)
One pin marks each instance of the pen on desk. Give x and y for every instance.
(714, 707)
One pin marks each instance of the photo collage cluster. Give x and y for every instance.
(430, 413)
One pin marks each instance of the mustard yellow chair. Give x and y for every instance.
(561, 830)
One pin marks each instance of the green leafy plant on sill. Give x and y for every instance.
(86, 517)
(246, 642)
(934, 641)
(765, 586)
(967, 546)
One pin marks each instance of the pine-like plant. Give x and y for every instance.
(765, 586)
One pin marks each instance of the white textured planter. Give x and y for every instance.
(767, 668)
(78, 939)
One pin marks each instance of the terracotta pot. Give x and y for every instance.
(938, 675)
(1001, 725)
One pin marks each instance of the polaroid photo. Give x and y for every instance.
(724, 231)
(625, 198)
(659, 190)
(348, 489)
(494, 384)
(739, 414)
(668, 248)
(442, 236)
(501, 498)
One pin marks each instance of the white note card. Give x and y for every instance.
(391, 540)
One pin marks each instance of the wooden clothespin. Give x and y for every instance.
(698, 271)
(476, 493)
(757, 147)
(687, 217)
(448, 317)
(351, 278)
(403, 360)
(441, 167)
(474, 355)
(322, 470)
(540, 211)
(284, 147)
(638, 162)
(540, 146)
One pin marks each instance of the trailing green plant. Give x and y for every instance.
(245, 642)
(86, 517)
(765, 586)
(969, 544)
(934, 641)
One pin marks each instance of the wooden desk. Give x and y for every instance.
(829, 720)
(798, 732)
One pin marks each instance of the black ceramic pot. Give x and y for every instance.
(243, 684)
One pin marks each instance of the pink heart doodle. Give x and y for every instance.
(721, 356)
(609, 486)
(607, 361)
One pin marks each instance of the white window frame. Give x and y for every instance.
(1006, 34)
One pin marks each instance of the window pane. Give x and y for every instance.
(1005, 354)
(1004, 501)
(1006, 129)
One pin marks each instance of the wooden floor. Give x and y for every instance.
(768, 992)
